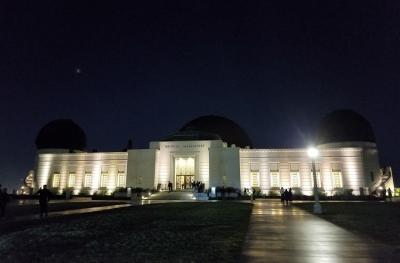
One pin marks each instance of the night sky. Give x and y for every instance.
(142, 69)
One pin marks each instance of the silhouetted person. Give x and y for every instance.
(169, 186)
(390, 194)
(384, 194)
(286, 197)
(202, 186)
(44, 196)
(290, 195)
(282, 196)
(4, 199)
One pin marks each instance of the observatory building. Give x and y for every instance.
(217, 152)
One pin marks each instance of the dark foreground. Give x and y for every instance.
(376, 220)
(174, 232)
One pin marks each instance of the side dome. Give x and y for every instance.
(61, 134)
(226, 129)
(344, 126)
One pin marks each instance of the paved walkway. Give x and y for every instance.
(93, 209)
(71, 212)
(281, 234)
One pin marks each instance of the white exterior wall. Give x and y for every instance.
(142, 168)
(225, 167)
(349, 161)
(80, 163)
(357, 165)
(371, 165)
(168, 151)
(271, 160)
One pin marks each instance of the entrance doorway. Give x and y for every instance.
(184, 182)
(184, 172)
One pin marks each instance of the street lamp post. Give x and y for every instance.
(313, 154)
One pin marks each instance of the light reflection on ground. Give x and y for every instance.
(289, 234)
(284, 234)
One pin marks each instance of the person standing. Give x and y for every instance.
(4, 198)
(384, 194)
(253, 194)
(44, 196)
(282, 196)
(1, 200)
(390, 194)
(290, 195)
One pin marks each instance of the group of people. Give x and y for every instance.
(198, 186)
(389, 194)
(286, 196)
(44, 197)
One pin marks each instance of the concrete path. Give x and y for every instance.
(93, 209)
(281, 234)
(71, 212)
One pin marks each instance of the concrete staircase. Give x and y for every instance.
(176, 195)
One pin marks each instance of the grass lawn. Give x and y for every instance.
(177, 232)
(377, 220)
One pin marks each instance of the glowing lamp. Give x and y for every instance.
(313, 152)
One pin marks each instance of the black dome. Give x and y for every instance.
(344, 126)
(226, 129)
(61, 134)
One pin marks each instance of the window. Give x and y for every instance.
(318, 179)
(294, 179)
(337, 178)
(121, 179)
(104, 180)
(255, 178)
(88, 180)
(56, 180)
(294, 175)
(274, 179)
(71, 180)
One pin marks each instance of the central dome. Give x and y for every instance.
(226, 129)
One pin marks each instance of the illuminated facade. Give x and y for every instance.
(339, 167)
(217, 152)
(82, 172)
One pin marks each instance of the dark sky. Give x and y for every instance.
(148, 67)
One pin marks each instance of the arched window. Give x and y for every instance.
(56, 180)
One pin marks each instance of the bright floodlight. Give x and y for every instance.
(312, 152)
